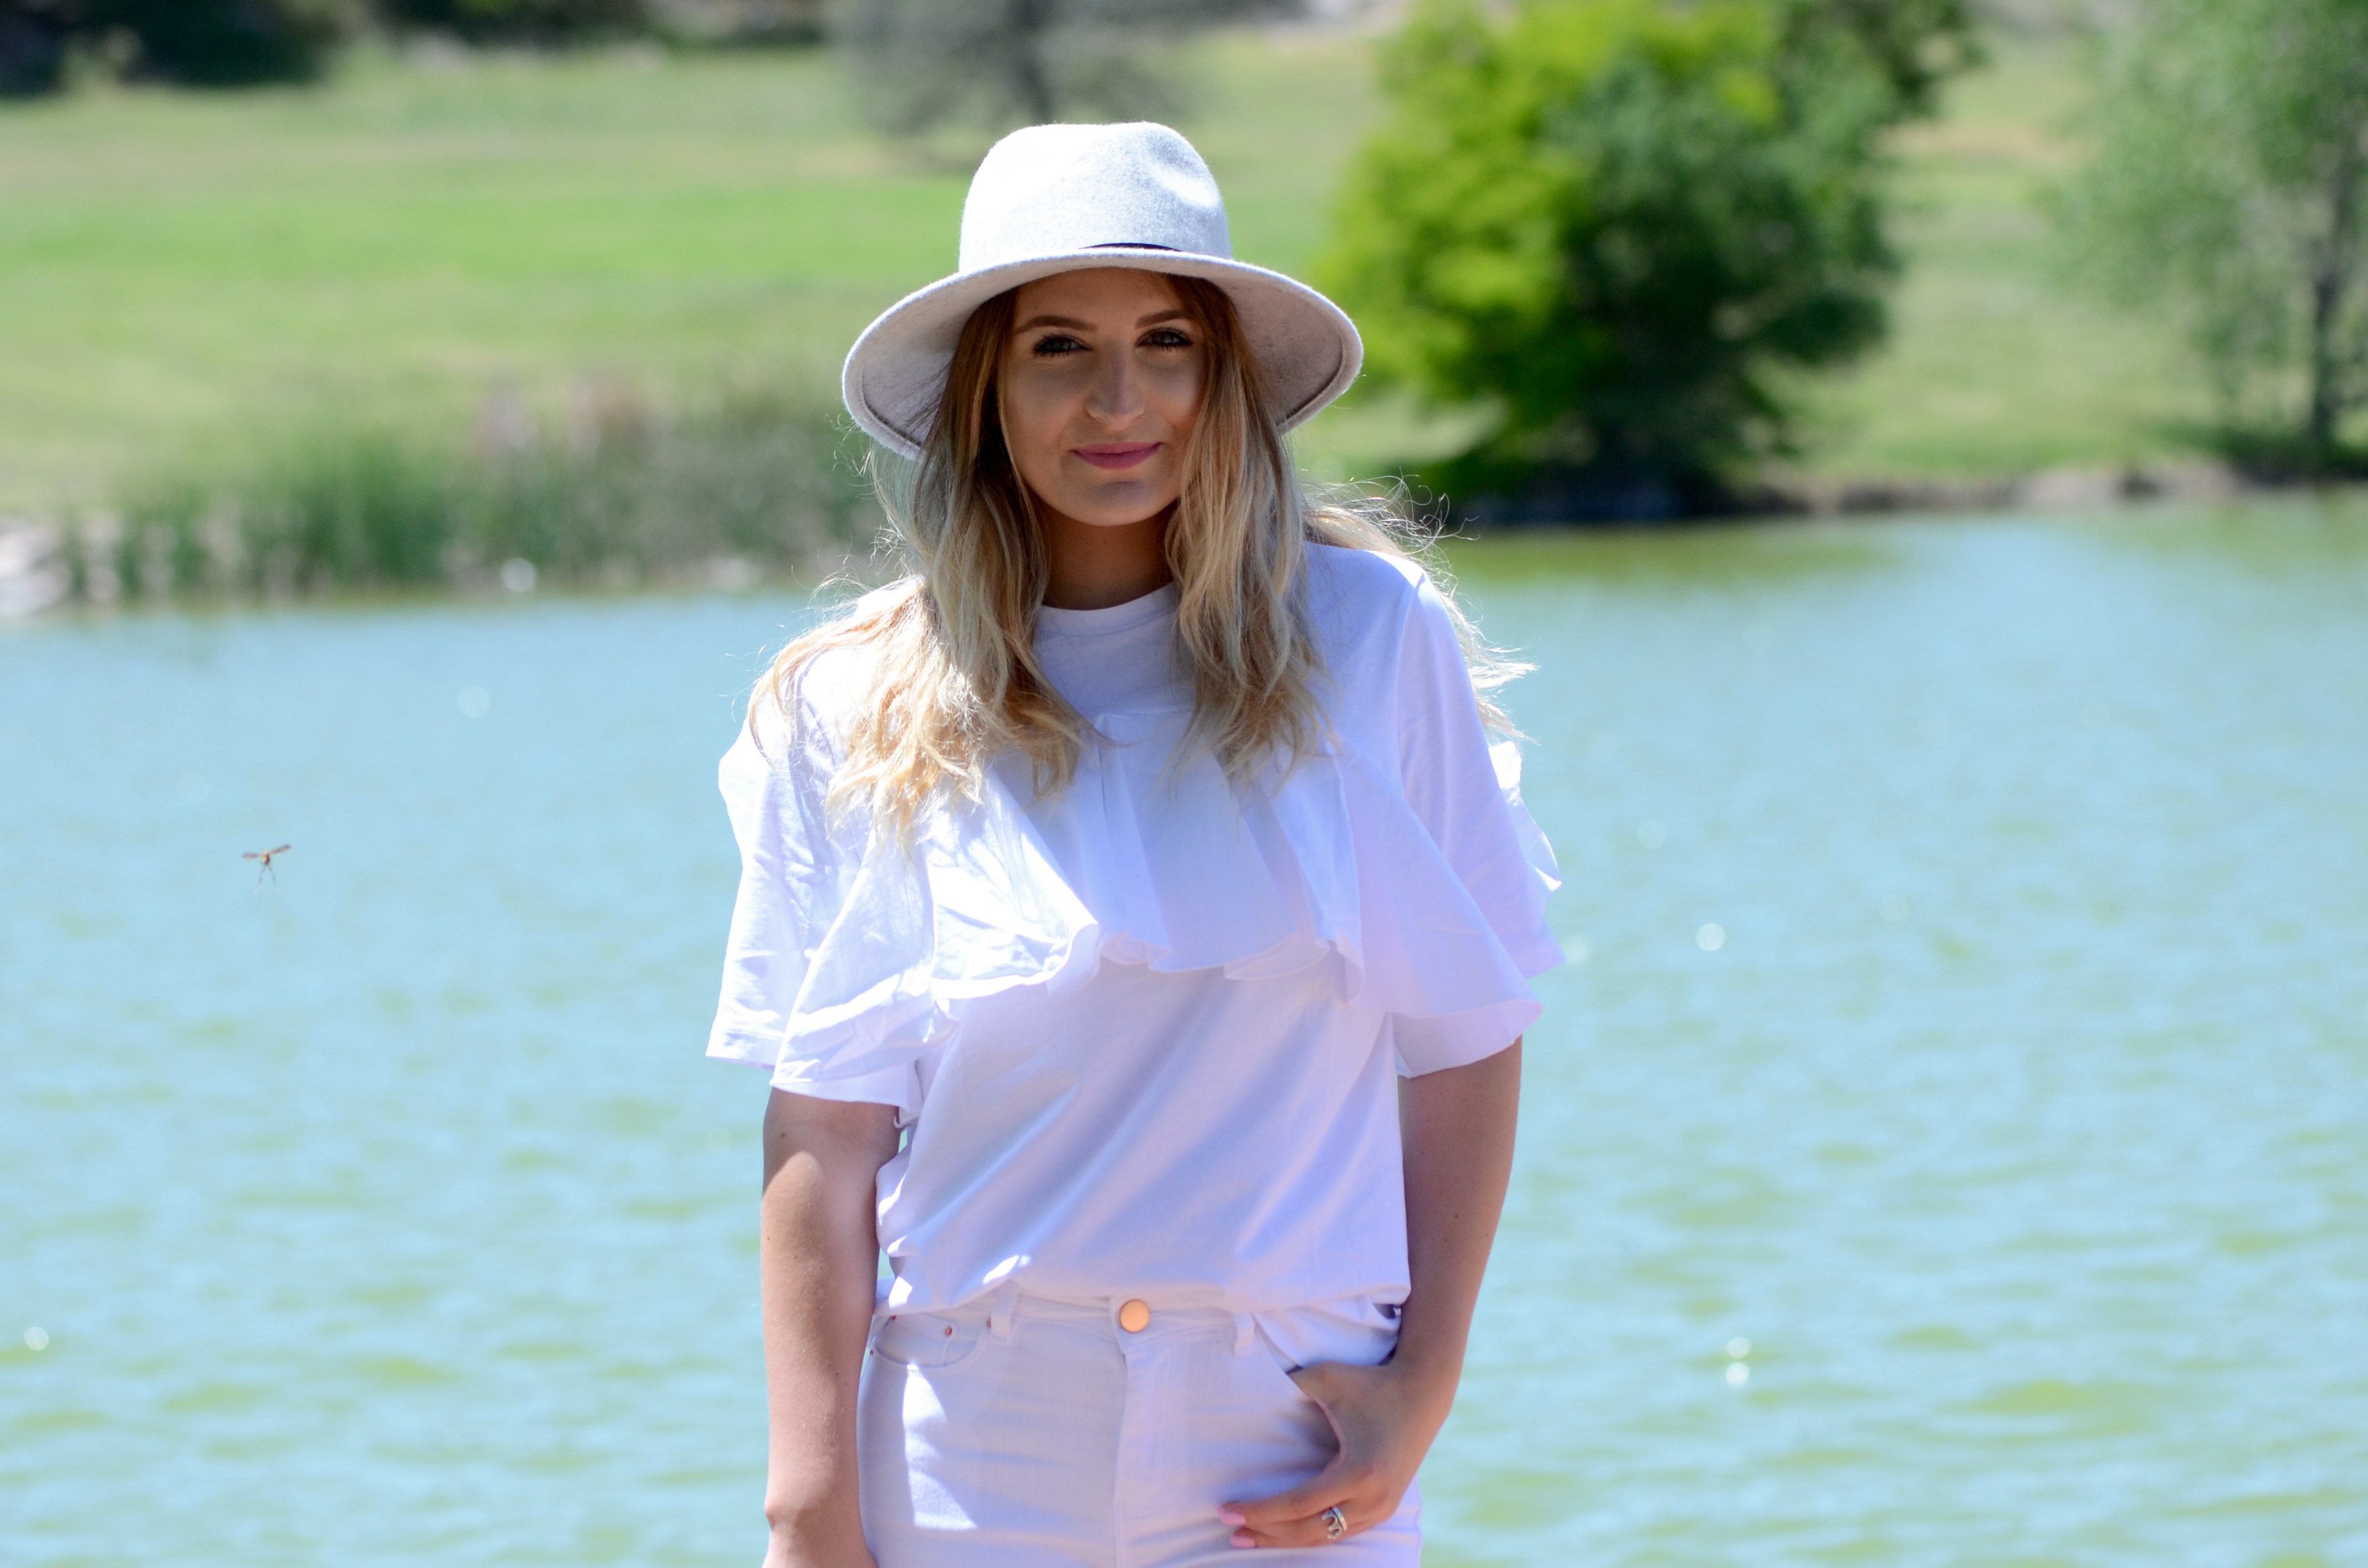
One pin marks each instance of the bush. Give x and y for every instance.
(521, 21)
(1618, 224)
(202, 43)
(233, 43)
(33, 36)
(364, 508)
(765, 478)
(226, 43)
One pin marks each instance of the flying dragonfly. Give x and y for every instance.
(264, 869)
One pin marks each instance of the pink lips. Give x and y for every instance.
(1125, 456)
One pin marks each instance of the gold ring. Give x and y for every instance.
(1336, 1523)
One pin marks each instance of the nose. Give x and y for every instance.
(1116, 396)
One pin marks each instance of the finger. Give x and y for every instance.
(1303, 1501)
(1313, 1531)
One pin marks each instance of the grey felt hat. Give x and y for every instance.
(1062, 198)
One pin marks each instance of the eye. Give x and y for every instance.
(1056, 345)
(1167, 337)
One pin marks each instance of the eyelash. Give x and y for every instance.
(1060, 344)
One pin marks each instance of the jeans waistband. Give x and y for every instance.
(1000, 1309)
(1362, 1331)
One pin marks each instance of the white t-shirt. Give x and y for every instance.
(1145, 1034)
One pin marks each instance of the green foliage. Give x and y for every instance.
(401, 282)
(766, 475)
(226, 43)
(521, 21)
(1914, 46)
(198, 44)
(234, 43)
(612, 493)
(1619, 221)
(33, 38)
(2230, 185)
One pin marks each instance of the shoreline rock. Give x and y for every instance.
(33, 572)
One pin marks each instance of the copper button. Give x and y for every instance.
(1135, 1317)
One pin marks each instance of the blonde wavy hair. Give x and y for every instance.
(954, 681)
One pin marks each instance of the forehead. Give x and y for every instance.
(1121, 295)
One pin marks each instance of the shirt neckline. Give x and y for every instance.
(1160, 601)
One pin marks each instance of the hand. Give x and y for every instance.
(1384, 1419)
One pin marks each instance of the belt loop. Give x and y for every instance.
(1001, 1307)
(1245, 1333)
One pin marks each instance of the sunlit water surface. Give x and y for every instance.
(1994, 1191)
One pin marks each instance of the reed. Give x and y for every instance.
(739, 484)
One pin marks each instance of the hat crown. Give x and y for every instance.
(1056, 188)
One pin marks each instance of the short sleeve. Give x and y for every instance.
(1467, 795)
(796, 874)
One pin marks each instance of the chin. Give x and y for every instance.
(1117, 512)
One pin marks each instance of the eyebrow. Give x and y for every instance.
(1033, 323)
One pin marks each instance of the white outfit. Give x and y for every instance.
(1145, 1034)
(1062, 1440)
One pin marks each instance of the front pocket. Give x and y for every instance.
(1268, 1356)
(926, 1339)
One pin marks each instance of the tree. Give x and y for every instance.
(230, 43)
(925, 62)
(33, 36)
(2229, 184)
(226, 43)
(1622, 223)
(521, 21)
(201, 43)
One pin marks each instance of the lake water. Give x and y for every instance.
(2019, 1122)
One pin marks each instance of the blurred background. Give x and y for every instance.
(1914, 438)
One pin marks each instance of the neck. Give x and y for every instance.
(1096, 565)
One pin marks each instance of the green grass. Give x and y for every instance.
(405, 241)
(183, 272)
(1998, 363)
(409, 238)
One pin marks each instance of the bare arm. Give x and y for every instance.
(1458, 1128)
(818, 1258)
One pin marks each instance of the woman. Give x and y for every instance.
(1134, 927)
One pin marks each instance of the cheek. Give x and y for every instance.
(1038, 404)
(1176, 390)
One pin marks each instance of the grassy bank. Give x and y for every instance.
(412, 239)
(1997, 365)
(752, 483)
(422, 246)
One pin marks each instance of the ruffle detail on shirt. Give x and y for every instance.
(1176, 871)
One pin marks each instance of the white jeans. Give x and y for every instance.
(1024, 1432)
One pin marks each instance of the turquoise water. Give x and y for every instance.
(2019, 1121)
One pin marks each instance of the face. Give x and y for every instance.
(1102, 382)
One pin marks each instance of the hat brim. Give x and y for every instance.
(896, 374)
